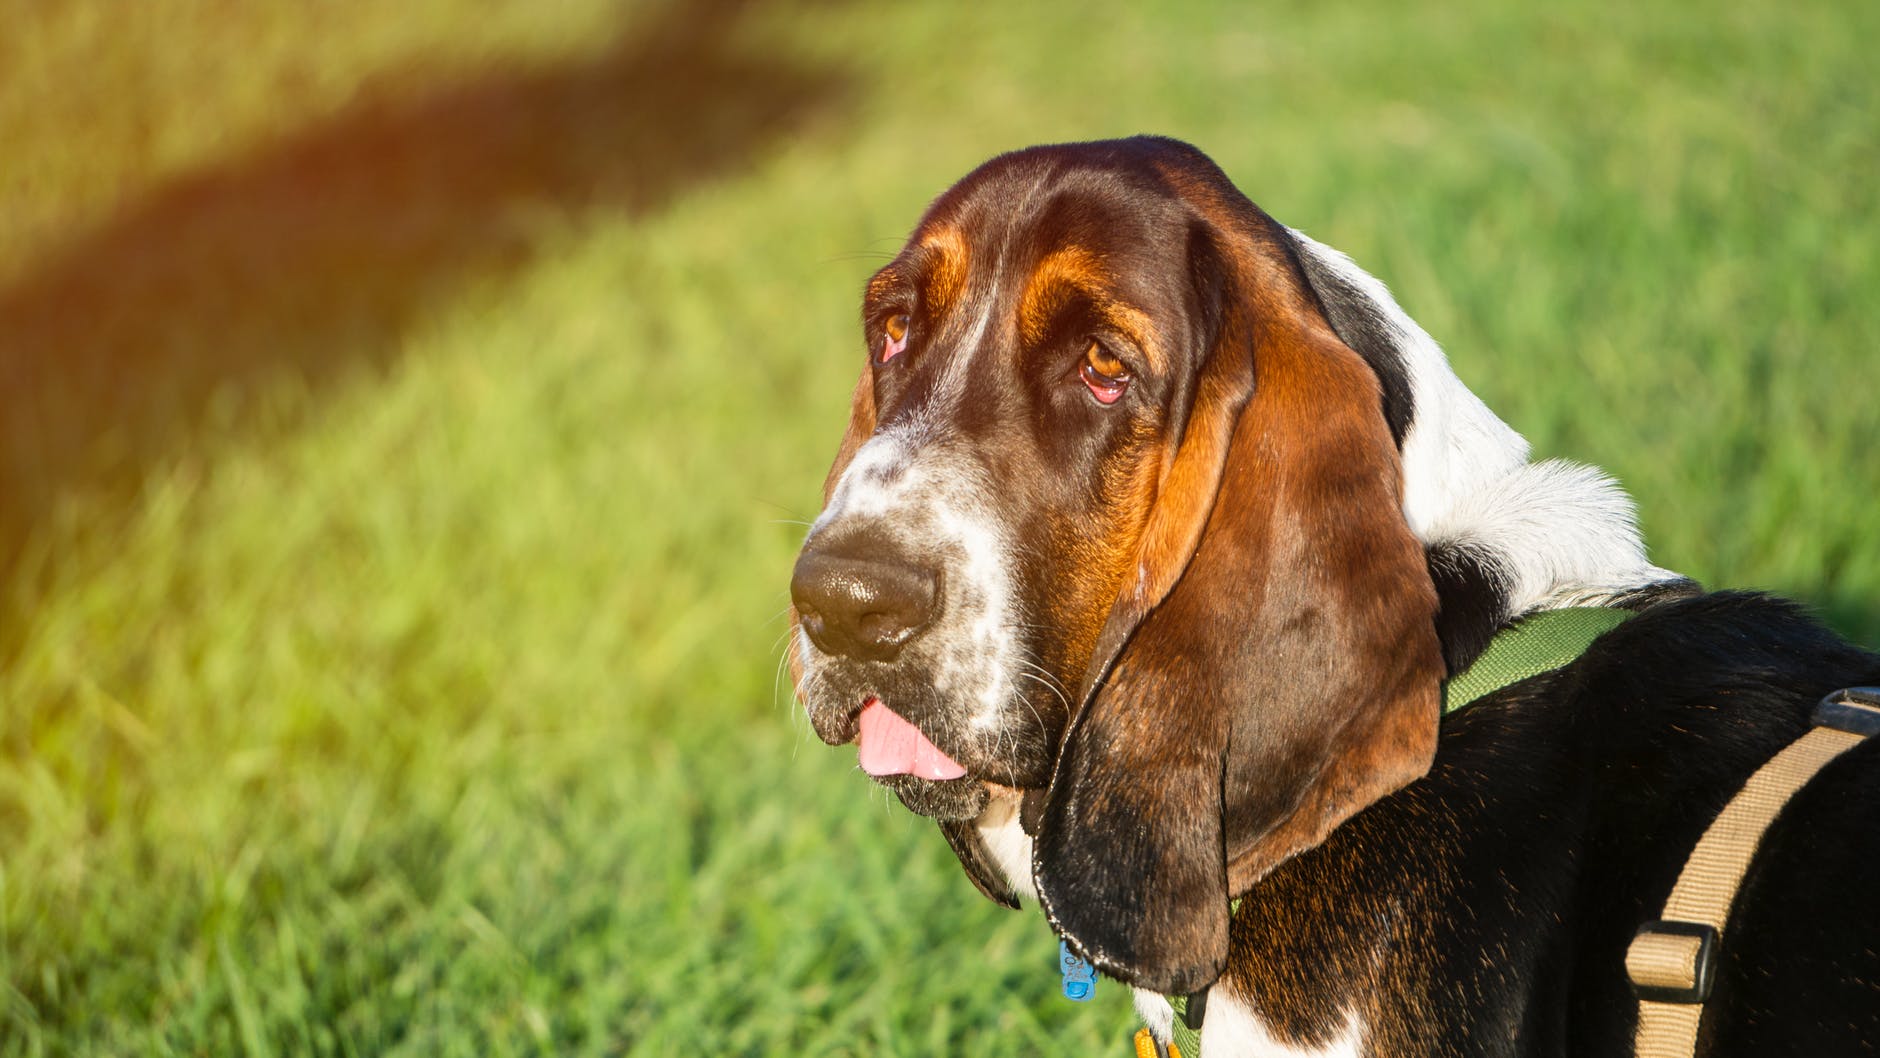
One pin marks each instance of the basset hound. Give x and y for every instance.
(1155, 532)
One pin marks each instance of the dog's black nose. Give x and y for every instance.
(862, 608)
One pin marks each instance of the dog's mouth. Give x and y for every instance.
(898, 755)
(889, 745)
(935, 767)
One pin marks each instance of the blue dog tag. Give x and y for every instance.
(1080, 978)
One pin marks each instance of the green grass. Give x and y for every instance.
(407, 414)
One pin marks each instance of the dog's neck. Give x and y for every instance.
(1505, 537)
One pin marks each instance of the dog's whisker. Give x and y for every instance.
(1043, 732)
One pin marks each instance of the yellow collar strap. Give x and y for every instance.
(1672, 961)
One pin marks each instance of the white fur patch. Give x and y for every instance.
(1564, 534)
(1008, 843)
(984, 632)
(1232, 1030)
(875, 481)
(1156, 1013)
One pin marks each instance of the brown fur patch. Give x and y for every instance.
(947, 256)
(1078, 272)
(1102, 557)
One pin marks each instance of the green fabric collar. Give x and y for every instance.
(1537, 643)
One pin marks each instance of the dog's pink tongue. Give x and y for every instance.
(892, 746)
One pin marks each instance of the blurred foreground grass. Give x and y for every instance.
(408, 414)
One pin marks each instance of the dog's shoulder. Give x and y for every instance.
(1637, 744)
(1726, 677)
(1673, 711)
(1560, 810)
(1730, 643)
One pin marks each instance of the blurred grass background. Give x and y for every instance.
(408, 413)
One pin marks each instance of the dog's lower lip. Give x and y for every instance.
(962, 798)
(836, 727)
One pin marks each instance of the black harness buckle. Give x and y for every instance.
(1855, 710)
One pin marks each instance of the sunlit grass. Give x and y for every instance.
(420, 693)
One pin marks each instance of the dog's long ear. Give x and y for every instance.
(1276, 667)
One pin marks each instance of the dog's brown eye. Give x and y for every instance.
(1106, 376)
(894, 339)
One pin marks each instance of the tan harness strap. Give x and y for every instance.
(1671, 961)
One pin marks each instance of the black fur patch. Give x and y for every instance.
(1363, 326)
(1652, 594)
(1472, 595)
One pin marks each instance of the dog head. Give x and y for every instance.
(1118, 522)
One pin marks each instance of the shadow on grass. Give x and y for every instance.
(317, 252)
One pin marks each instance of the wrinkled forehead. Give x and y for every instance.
(1044, 217)
(1041, 197)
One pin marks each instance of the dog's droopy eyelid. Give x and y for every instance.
(896, 330)
(889, 327)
